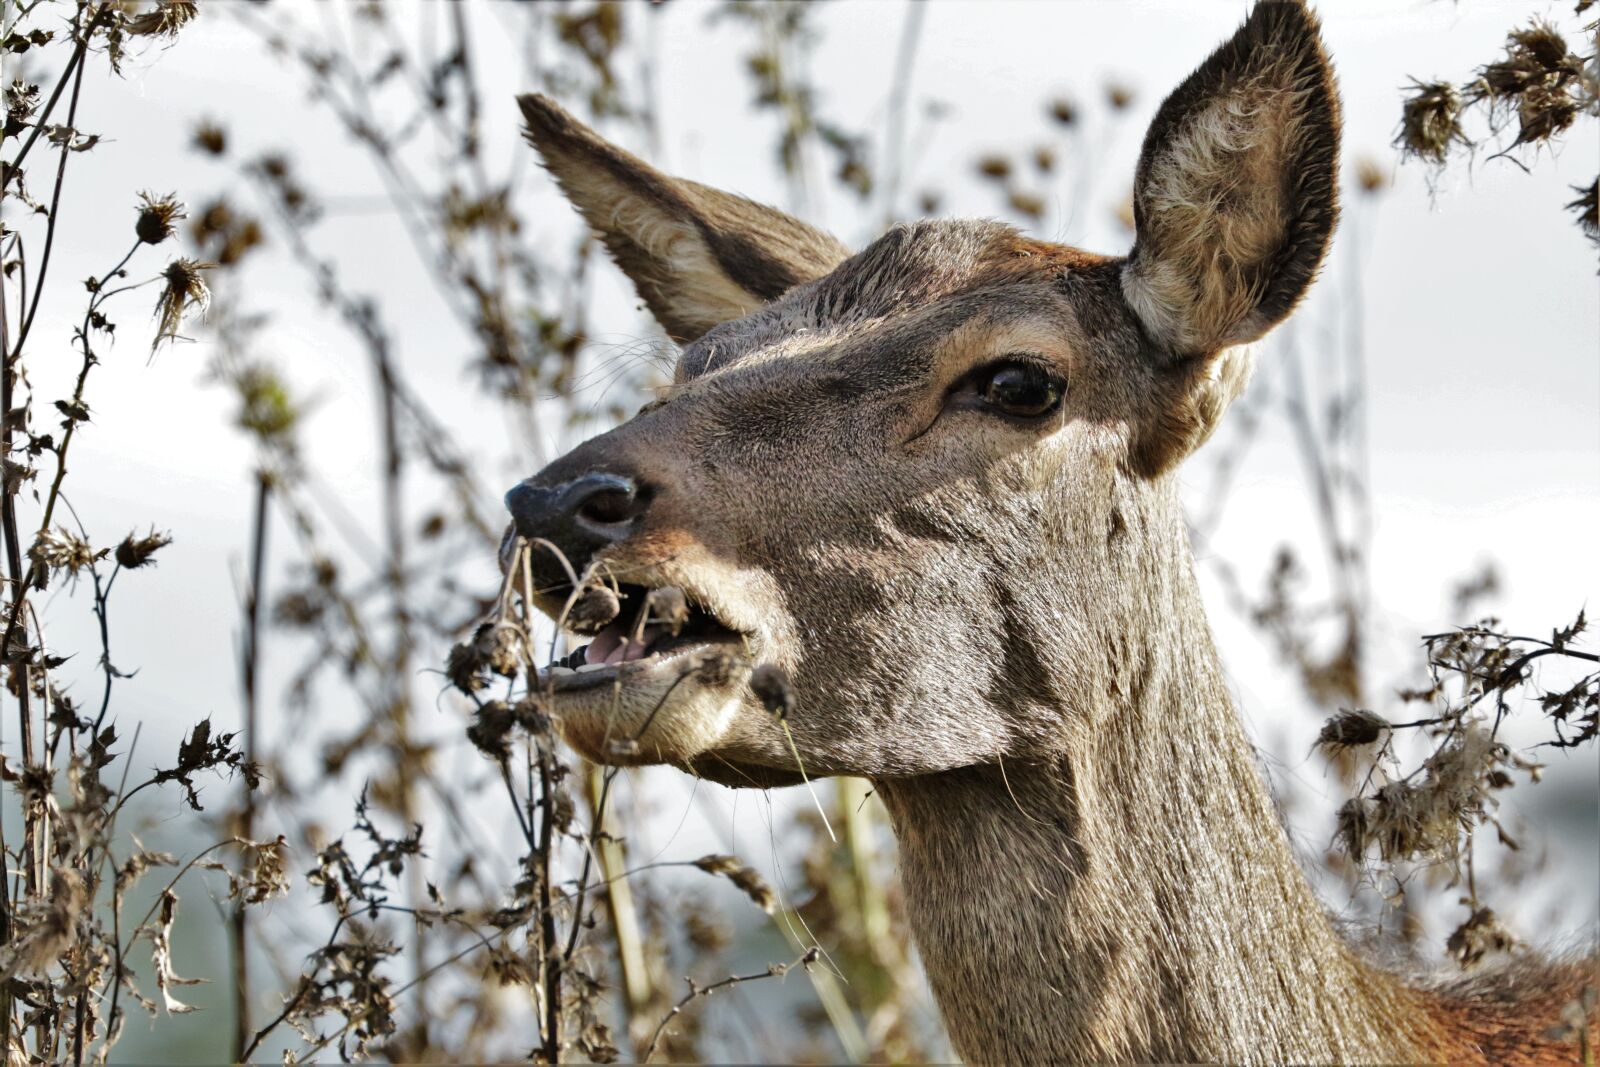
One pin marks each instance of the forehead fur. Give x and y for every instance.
(910, 267)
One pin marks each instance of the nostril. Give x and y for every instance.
(606, 500)
(609, 507)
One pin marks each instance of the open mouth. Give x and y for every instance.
(650, 628)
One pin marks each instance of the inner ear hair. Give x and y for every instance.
(1236, 194)
(698, 256)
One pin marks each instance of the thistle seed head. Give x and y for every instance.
(593, 610)
(135, 552)
(185, 288)
(157, 215)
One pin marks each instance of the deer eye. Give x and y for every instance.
(1021, 390)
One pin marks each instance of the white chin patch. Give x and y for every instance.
(643, 713)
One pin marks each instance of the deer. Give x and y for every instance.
(933, 483)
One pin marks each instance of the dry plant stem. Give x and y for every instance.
(859, 838)
(899, 93)
(12, 357)
(81, 33)
(549, 935)
(619, 897)
(34, 573)
(250, 664)
(102, 610)
(696, 991)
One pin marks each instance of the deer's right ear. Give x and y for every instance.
(697, 255)
(1236, 194)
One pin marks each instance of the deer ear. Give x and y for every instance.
(1236, 194)
(697, 255)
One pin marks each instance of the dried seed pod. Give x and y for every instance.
(995, 167)
(1353, 828)
(1370, 176)
(498, 645)
(771, 686)
(669, 607)
(1350, 728)
(491, 728)
(185, 288)
(135, 552)
(1026, 203)
(1479, 936)
(595, 608)
(1430, 122)
(466, 667)
(746, 878)
(157, 215)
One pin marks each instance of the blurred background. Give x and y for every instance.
(404, 319)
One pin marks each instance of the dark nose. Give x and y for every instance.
(578, 518)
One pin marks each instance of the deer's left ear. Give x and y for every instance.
(698, 256)
(1236, 194)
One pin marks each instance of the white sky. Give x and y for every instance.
(1482, 308)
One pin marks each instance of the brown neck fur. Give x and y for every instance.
(1137, 899)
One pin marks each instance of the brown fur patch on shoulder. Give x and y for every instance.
(1512, 1014)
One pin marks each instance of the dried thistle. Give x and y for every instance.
(1370, 176)
(185, 288)
(1587, 208)
(164, 20)
(491, 729)
(1119, 96)
(135, 552)
(64, 550)
(211, 138)
(594, 609)
(265, 875)
(157, 214)
(995, 167)
(1480, 935)
(1352, 728)
(746, 878)
(1353, 828)
(1025, 203)
(1430, 122)
(492, 647)
(1063, 111)
(494, 720)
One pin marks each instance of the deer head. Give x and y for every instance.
(931, 480)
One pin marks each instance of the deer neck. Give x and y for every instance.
(1135, 897)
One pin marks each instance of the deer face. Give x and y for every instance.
(927, 480)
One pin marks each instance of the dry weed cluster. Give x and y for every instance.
(1533, 93)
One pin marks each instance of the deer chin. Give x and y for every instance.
(644, 691)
